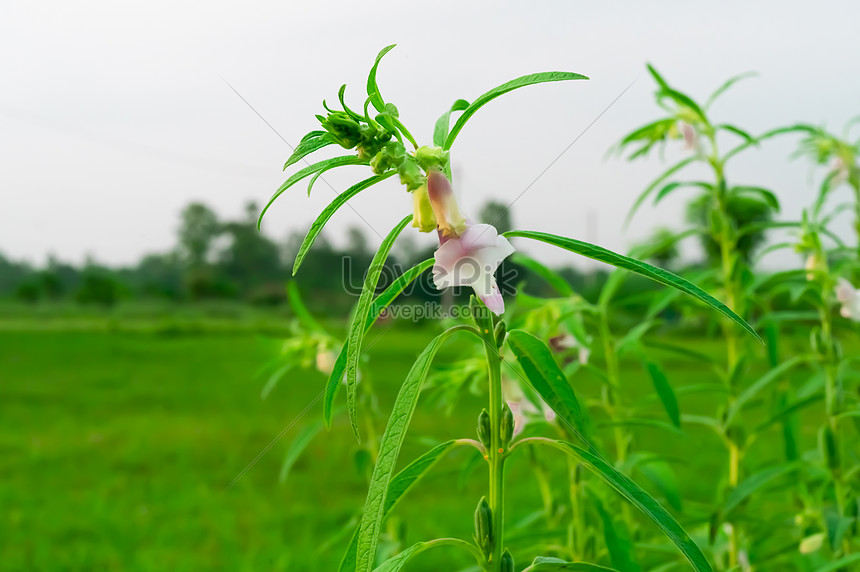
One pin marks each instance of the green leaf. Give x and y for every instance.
(548, 380)
(753, 483)
(310, 170)
(765, 195)
(300, 310)
(551, 277)
(309, 145)
(389, 449)
(548, 564)
(657, 77)
(799, 128)
(362, 310)
(617, 539)
(372, 88)
(683, 100)
(619, 261)
(397, 561)
(440, 132)
(402, 483)
(523, 81)
(639, 498)
(328, 212)
(729, 83)
(751, 391)
(665, 392)
(274, 379)
(382, 301)
(737, 131)
(650, 188)
(667, 190)
(655, 130)
(840, 564)
(297, 446)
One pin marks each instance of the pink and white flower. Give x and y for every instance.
(468, 254)
(849, 297)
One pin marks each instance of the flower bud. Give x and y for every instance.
(484, 527)
(484, 428)
(500, 333)
(450, 221)
(508, 424)
(507, 562)
(422, 214)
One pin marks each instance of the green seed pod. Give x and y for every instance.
(507, 562)
(484, 428)
(507, 425)
(410, 173)
(500, 333)
(827, 447)
(484, 527)
(389, 157)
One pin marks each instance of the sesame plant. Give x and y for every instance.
(374, 136)
(730, 220)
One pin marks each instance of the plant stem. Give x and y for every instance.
(728, 244)
(496, 454)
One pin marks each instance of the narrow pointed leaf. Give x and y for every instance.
(619, 261)
(389, 449)
(523, 81)
(617, 539)
(551, 277)
(379, 304)
(640, 499)
(326, 214)
(754, 483)
(650, 188)
(751, 391)
(300, 310)
(548, 380)
(308, 171)
(440, 132)
(357, 328)
(402, 483)
(297, 446)
(308, 146)
(665, 393)
(729, 83)
(549, 564)
(372, 88)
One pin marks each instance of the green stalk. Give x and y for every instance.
(727, 244)
(496, 454)
(831, 366)
(612, 401)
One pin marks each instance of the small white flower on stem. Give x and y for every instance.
(564, 342)
(521, 407)
(468, 254)
(849, 297)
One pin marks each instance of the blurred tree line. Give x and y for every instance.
(217, 259)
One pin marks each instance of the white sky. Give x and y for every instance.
(113, 115)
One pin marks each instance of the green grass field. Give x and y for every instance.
(117, 448)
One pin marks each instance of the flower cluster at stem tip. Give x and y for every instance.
(468, 254)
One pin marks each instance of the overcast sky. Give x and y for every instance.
(113, 115)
